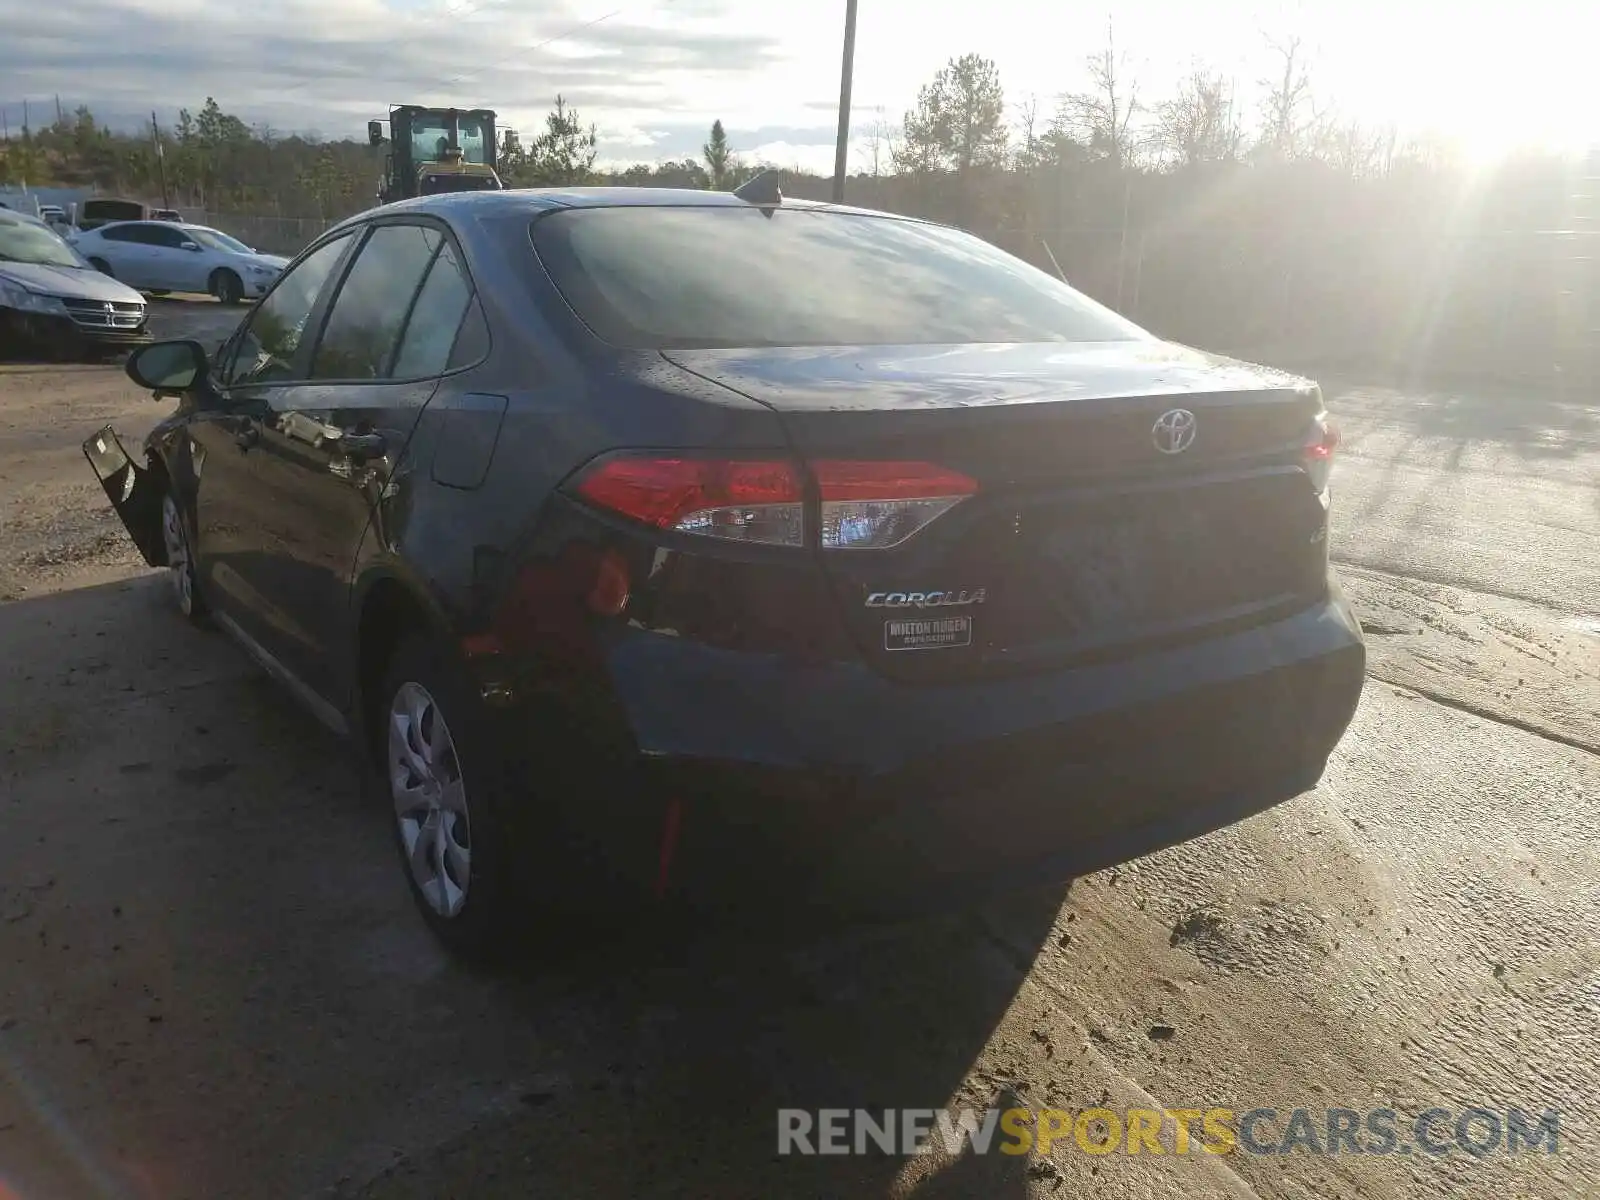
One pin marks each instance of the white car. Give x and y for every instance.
(165, 256)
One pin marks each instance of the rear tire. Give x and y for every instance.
(227, 287)
(101, 265)
(456, 812)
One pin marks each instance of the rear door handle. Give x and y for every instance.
(246, 436)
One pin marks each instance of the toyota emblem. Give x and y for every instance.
(1174, 431)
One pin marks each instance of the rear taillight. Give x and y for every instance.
(1321, 443)
(757, 501)
(875, 505)
(863, 505)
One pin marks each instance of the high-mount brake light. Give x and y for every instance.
(864, 505)
(758, 501)
(876, 505)
(1321, 444)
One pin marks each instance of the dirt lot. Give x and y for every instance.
(213, 983)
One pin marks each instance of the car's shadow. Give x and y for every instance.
(281, 1023)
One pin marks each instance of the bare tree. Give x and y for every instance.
(1289, 116)
(1102, 117)
(1355, 150)
(880, 142)
(1028, 150)
(1200, 123)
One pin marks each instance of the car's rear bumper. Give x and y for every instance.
(836, 783)
(685, 699)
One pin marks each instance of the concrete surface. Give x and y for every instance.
(213, 983)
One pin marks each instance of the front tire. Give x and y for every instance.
(227, 287)
(181, 572)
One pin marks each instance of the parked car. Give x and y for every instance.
(660, 546)
(163, 256)
(53, 300)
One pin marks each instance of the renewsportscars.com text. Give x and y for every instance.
(1476, 1131)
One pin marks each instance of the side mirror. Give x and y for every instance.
(191, 246)
(374, 133)
(167, 368)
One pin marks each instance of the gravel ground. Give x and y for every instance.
(213, 983)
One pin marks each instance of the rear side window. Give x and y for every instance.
(472, 342)
(118, 233)
(658, 278)
(164, 235)
(435, 319)
(363, 328)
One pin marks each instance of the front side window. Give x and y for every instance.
(363, 328)
(211, 239)
(715, 277)
(270, 340)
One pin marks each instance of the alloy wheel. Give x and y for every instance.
(430, 799)
(179, 570)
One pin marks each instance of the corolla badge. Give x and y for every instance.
(1174, 431)
(926, 599)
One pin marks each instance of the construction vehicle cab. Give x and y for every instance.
(435, 150)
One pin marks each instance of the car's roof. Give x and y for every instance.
(532, 200)
(153, 221)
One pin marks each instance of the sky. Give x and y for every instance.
(654, 74)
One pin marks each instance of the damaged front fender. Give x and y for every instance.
(135, 492)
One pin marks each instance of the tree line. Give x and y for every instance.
(1282, 230)
(212, 160)
(1277, 226)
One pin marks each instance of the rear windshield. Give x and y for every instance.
(112, 210)
(663, 278)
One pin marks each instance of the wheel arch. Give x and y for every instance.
(388, 605)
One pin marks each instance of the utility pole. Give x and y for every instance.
(161, 158)
(841, 152)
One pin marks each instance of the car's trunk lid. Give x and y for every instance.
(1086, 536)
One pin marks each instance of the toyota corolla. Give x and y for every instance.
(659, 547)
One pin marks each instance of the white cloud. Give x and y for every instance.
(769, 71)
